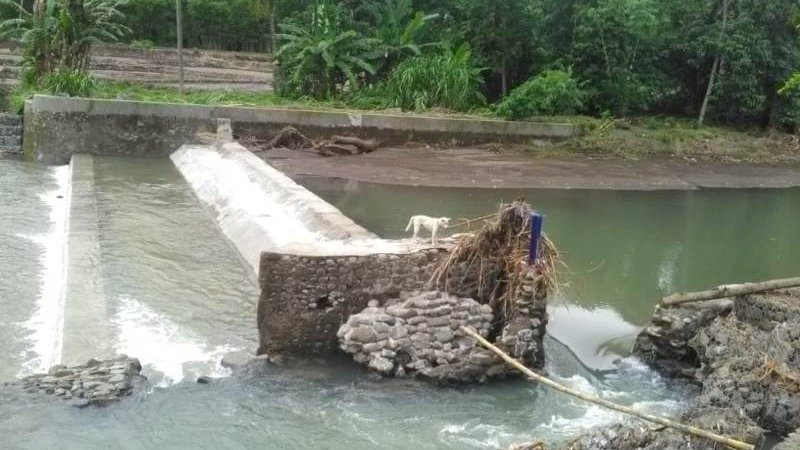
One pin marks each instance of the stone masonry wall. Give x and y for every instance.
(10, 133)
(304, 299)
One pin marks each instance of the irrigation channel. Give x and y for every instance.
(164, 286)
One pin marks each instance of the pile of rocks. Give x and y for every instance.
(421, 336)
(745, 352)
(94, 383)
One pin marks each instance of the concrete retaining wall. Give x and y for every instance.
(57, 127)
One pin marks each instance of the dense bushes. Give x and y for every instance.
(212, 24)
(632, 56)
(549, 93)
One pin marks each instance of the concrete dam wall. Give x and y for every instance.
(57, 127)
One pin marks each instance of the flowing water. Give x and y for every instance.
(162, 284)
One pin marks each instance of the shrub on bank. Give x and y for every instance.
(550, 93)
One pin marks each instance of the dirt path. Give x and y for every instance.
(483, 168)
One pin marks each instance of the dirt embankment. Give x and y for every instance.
(514, 168)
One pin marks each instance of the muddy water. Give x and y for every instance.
(623, 250)
(176, 296)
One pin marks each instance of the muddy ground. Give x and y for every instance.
(510, 168)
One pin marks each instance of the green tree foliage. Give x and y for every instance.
(633, 56)
(398, 28)
(318, 59)
(58, 34)
(550, 93)
(616, 48)
(447, 79)
(240, 25)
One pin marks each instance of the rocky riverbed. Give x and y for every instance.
(745, 354)
(97, 383)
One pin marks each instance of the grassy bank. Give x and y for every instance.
(650, 137)
(630, 138)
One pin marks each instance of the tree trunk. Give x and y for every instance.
(272, 33)
(503, 78)
(715, 67)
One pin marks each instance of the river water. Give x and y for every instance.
(173, 293)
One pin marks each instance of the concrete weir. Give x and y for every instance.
(86, 331)
(260, 210)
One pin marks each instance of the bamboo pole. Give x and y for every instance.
(730, 290)
(179, 25)
(469, 221)
(607, 404)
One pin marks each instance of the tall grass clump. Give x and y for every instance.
(448, 80)
(75, 83)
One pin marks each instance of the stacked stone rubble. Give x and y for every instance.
(522, 335)
(94, 383)
(422, 336)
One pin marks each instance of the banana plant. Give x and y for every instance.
(398, 28)
(58, 34)
(322, 59)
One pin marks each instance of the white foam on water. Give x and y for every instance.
(46, 325)
(164, 346)
(478, 435)
(595, 416)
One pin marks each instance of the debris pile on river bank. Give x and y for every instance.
(97, 383)
(744, 352)
(495, 288)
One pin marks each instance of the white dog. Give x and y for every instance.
(432, 224)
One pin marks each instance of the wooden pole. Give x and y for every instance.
(179, 13)
(607, 404)
(715, 68)
(730, 290)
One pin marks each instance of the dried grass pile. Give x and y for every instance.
(499, 253)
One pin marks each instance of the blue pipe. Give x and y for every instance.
(537, 221)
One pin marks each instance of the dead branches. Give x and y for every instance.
(292, 139)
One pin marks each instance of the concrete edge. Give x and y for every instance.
(86, 333)
(304, 117)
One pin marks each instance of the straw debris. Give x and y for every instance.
(499, 252)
